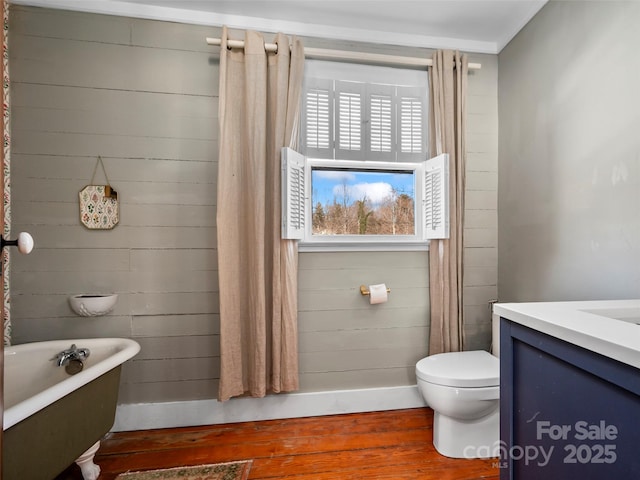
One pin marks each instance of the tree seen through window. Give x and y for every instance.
(357, 202)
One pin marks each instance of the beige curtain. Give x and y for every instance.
(258, 111)
(447, 114)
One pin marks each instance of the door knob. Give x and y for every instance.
(24, 243)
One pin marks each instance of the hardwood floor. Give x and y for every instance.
(380, 445)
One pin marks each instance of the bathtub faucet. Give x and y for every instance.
(72, 353)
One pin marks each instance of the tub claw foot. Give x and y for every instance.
(90, 471)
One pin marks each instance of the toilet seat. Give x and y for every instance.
(476, 368)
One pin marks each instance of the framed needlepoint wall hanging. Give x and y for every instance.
(99, 203)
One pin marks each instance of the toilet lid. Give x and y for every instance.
(460, 369)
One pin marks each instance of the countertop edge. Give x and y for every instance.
(577, 323)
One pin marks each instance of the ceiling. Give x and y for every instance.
(484, 26)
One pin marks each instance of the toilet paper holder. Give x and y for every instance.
(365, 291)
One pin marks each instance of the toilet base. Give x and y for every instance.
(467, 438)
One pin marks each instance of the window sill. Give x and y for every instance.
(363, 247)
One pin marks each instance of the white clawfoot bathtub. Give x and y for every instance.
(52, 418)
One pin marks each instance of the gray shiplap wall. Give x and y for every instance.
(143, 94)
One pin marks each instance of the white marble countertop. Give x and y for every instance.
(608, 327)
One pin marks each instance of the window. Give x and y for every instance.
(336, 203)
(363, 180)
(361, 201)
(362, 112)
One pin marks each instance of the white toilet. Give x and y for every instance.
(463, 389)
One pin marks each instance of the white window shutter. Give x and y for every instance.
(380, 133)
(349, 99)
(317, 122)
(294, 191)
(436, 197)
(412, 119)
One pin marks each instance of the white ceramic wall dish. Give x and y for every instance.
(88, 305)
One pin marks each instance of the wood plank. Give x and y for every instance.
(377, 445)
(84, 144)
(39, 283)
(171, 369)
(192, 346)
(71, 260)
(373, 358)
(483, 123)
(482, 161)
(477, 315)
(65, 99)
(484, 81)
(482, 181)
(319, 321)
(179, 281)
(56, 305)
(342, 299)
(347, 340)
(477, 337)
(363, 260)
(174, 303)
(480, 104)
(68, 24)
(65, 24)
(482, 143)
(111, 66)
(121, 169)
(480, 237)
(480, 295)
(40, 190)
(51, 306)
(129, 121)
(349, 278)
(350, 379)
(175, 36)
(153, 392)
(121, 236)
(481, 257)
(175, 325)
(475, 276)
(174, 259)
(481, 218)
(53, 327)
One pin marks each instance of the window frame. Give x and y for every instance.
(431, 202)
(311, 242)
(336, 82)
(333, 80)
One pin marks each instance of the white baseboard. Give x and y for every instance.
(145, 416)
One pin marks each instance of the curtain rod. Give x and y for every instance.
(325, 54)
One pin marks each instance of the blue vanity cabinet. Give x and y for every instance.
(565, 412)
